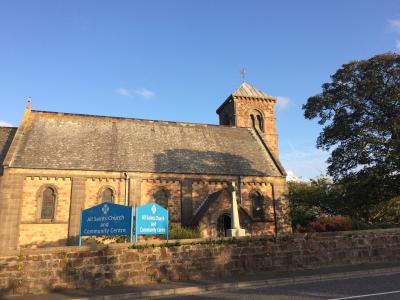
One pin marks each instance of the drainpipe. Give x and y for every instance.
(126, 188)
(274, 206)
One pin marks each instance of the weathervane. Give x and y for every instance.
(243, 73)
(28, 102)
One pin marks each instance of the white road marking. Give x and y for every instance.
(367, 295)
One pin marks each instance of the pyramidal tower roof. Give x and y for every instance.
(246, 90)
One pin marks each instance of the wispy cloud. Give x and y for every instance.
(291, 176)
(139, 92)
(305, 162)
(395, 24)
(283, 102)
(144, 93)
(123, 92)
(5, 124)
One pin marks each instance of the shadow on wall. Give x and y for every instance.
(63, 270)
(76, 273)
(6, 291)
(203, 162)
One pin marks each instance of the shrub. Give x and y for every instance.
(327, 223)
(177, 232)
(360, 225)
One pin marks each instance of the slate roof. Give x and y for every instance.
(246, 90)
(84, 142)
(6, 137)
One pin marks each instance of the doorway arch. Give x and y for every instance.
(223, 224)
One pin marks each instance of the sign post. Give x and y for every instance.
(107, 219)
(131, 232)
(151, 219)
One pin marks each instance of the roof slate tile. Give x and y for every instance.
(65, 141)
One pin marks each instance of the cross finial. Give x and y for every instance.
(28, 103)
(243, 73)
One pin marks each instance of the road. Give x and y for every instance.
(366, 288)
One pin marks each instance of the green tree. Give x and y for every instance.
(360, 112)
(386, 212)
(309, 200)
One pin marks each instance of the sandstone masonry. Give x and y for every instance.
(42, 270)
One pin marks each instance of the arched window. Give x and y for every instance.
(257, 120)
(48, 204)
(260, 122)
(161, 197)
(107, 195)
(253, 121)
(257, 204)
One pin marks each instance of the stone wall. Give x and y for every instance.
(95, 186)
(243, 108)
(42, 270)
(149, 186)
(22, 189)
(32, 231)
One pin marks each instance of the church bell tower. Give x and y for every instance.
(250, 107)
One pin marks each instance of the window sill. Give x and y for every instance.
(44, 221)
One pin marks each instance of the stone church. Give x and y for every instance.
(56, 164)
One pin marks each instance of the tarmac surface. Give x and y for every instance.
(380, 280)
(376, 287)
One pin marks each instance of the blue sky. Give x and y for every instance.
(178, 60)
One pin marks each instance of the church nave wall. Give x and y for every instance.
(39, 225)
(166, 192)
(95, 187)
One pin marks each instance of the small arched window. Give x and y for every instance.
(260, 121)
(48, 204)
(257, 120)
(257, 203)
(161, 197)
(253, 121)
(107, 195)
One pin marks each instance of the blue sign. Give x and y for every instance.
(107, 219)
(151, 219)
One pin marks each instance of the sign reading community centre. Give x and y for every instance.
(107, 219)
(151, 219)
(113, 219)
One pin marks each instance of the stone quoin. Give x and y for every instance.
(54, 165)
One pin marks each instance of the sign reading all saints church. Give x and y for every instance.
(107, 219)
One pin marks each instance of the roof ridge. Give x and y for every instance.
(136, 119)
